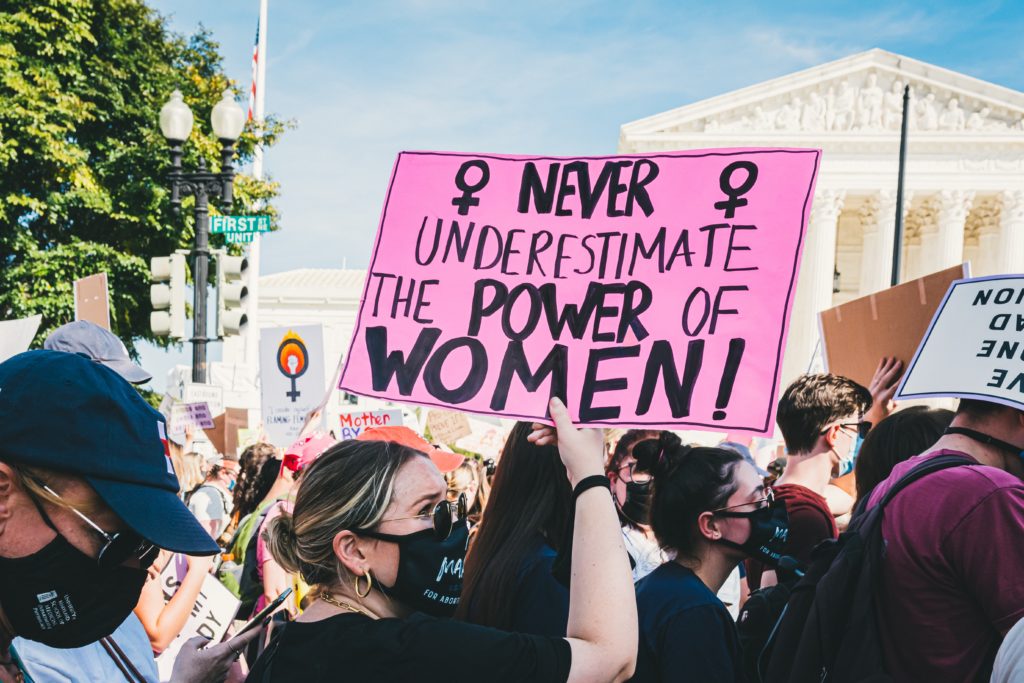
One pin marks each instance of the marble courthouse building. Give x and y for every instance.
(964, 190)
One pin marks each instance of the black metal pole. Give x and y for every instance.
(897, 238)
(200, 268)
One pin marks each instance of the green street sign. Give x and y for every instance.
(239, 237)
(239, 224)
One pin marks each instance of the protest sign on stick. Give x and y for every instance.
(292, 379)
(890, 323)
(643, 290)
(974, 347)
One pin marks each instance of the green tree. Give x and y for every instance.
(82, 162)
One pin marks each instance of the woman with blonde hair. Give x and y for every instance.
(371, 528)
(188, 467)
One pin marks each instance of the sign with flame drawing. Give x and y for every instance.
(292, 377)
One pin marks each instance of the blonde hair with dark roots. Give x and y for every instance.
(348, 487)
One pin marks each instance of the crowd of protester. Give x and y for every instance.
(403, 561)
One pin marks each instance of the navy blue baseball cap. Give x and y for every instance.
(64, 412)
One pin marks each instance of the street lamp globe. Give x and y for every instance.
(227, 118)
(176, 118)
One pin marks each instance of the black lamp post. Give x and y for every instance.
(227, 119)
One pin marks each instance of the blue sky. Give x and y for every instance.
(365, 80)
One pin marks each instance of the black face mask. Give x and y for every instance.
(637, 507)
(769, 529)
(429, 571)
(60, 597)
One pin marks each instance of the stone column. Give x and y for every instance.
(878, 219)
(953, 208)
(1011, 233)
(814, 283)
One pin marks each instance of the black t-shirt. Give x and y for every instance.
(353, 647)
(686, 634)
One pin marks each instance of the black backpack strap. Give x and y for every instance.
(939, 462)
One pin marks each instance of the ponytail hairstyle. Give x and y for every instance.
(348, 487)
(687, 481)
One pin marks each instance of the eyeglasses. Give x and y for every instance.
(120, 546)
(444, 516)
(862, 427)
(634, 475)
(767, 501)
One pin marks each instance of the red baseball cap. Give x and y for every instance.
(444, 460)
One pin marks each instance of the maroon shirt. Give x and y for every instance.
(951, 582)
(810, 523)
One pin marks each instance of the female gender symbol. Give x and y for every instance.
(292, 361)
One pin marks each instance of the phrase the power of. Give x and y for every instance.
(639, 290)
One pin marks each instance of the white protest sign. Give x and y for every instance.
(974, 347)
(214, 609)
(211, 394)
(16, 335)
(292, 378)
(211, 615)
(353, 424)
(184, 415)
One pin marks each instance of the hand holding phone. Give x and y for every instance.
(265, 612)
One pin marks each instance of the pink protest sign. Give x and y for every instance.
(643, 290)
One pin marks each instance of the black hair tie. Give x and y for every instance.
(589, 483)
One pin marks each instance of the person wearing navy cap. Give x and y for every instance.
(87, 498)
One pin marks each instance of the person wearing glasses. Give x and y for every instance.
(88, 497)
(372, 529)
(631, 488)
(508, 582)
(710, 510)
(820, 417)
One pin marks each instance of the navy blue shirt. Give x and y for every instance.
(540, 603)
(686, 634)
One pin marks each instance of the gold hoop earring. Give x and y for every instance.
(369, 584)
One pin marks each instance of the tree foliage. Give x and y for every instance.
(82, 161)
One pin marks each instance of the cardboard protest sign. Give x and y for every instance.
(353, 424)
(447, 426)
(974, 347)
(292, 378)
(16, 335)
(644, 290)
(857, 334)
(224, 430)
(92, 301)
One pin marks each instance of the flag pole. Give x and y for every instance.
(897, 243)
(252, 336)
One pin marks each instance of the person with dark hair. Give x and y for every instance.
(508, 581)
(631, 489)
(902, 435)
(257, 475)
(709, 510)
(820, 417)
(371, 528)
(948, 585)
(254, 480)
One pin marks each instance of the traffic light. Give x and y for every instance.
(167, 297)
(232, 293)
